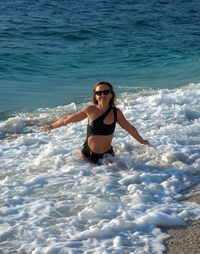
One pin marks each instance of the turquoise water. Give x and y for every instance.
(52, 52)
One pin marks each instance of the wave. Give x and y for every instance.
(52, 195)
(186, 96)
(25, 122)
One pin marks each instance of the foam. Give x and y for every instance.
(52, 201)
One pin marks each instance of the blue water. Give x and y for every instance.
(52, 52)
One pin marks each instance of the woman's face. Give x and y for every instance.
(103, 93)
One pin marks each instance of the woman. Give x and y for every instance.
(102, 118)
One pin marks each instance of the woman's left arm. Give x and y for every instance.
(130, 128)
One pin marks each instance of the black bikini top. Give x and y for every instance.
(98, 127)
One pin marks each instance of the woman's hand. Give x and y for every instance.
(47, 128)
(145, 142)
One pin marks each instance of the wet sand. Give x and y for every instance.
(186, 240)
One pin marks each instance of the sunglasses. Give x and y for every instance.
(105, 92)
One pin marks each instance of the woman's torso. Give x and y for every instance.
(100, 130)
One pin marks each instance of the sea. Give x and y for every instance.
(51, 55)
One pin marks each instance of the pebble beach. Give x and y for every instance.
(186, 239)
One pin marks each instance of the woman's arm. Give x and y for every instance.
(130, 128)
(76, 117)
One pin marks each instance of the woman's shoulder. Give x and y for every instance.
(117, 109)
(119, 113)
(89, 108)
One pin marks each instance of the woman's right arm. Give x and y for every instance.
(76, 117)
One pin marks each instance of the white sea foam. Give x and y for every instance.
(52, 201)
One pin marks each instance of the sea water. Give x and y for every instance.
(52, 52)
(52, 201)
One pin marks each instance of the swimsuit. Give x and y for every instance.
(94, 157)
(98, 127)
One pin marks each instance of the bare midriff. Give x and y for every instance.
(99, 143)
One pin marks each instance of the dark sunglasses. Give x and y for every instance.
(105, 92)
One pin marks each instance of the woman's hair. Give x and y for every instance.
(112, 100)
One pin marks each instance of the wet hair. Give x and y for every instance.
(112, 100)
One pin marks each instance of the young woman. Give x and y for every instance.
(102, 117)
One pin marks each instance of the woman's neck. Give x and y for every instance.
(103, 107)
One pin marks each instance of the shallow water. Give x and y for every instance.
(52, 201)
(51, 54)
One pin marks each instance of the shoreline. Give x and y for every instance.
(185, 239)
